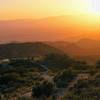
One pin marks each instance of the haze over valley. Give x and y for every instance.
(59, 28)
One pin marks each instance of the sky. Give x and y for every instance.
(34, 9)
(81, 17)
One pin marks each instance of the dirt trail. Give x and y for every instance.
(63, 91)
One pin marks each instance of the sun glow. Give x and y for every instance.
(94, 6)
(16, 9)
(73, 7)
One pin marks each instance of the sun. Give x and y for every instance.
(94, 6)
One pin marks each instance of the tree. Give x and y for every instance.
(98, 64)
(63, 78)
(58, 60)
(81, 65)
(43, 90)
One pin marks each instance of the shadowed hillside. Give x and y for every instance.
(25, 50)
(67, 47)
(85, 49)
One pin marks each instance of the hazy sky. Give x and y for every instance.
(82, 17)
(21, 9)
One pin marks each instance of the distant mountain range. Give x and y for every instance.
(67, 47)
(84, 49)
(87, 49)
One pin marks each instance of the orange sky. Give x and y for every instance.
(82, 19)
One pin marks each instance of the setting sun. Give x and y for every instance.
(94, 6)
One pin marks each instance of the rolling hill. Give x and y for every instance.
(67, 47)
(84, 49)
(26, 50)
(90, 46)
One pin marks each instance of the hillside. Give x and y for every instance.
(25, 50)
(85, 49)
(91, 47)
(82, 47)
(67, 47)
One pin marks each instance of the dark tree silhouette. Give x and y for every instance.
(58, 60)
(43, 90)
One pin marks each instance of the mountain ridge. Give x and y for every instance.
(23, 50)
